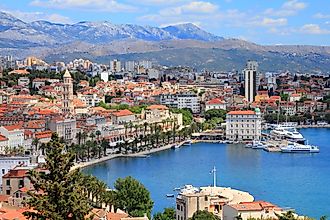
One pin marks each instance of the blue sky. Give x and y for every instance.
(260, 21)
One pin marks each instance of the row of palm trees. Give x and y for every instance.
(137, 138)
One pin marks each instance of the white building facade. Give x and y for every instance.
(243, 125)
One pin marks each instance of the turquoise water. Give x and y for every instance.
(301, 181)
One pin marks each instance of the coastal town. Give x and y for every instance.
(136, 108)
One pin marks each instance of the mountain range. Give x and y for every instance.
(183, 44)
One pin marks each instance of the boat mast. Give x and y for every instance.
(214, 171)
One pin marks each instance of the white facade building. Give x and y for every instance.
(215, 104)
(188, 100)
(66, 128)
(130, 66)
(14, 134)
(243, 125)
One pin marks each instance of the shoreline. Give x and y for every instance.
(132, 155)
(313, 126)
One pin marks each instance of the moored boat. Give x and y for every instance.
(299, 148)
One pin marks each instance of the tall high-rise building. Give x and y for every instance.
(67, 101)
(250, 79)
(115, 66)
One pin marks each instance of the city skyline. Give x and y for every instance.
(275, 22)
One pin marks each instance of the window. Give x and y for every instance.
(7, 192)
(3, 171)
(205, 198)
(7, 182)
(178, 207)
(21, 183)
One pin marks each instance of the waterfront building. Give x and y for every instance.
(243, 125)
(122, 117)
(67, 96)
(215, 104)
(211, 199)
(249, 210)
(8, 163)
(250, 80)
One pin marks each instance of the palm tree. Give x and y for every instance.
(145, 124)
(104, 145)
(92, 136)
(98, 134)
(79, 137)
(89, 145)
(84, 136)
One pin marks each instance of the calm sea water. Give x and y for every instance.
(301, 181)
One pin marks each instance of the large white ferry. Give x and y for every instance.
(299, 148)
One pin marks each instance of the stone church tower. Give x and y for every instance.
(67, 97)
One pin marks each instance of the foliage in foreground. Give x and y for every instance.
(61, 193)
(204, 215)
(132, 197)
(168, 214)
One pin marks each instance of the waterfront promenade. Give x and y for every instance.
(112, 156)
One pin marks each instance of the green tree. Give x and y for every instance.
(204, 215)
(187, 115)
(168, 214)
(63, 196)
(215, 113)
(132, 197)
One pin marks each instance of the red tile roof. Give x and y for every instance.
(3, 138)
(215, 101)
(16, 173)
(13, 127)
(122, 113)
(247, 112)
(254, 206)
(160, 107)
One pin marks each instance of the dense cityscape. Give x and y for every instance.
(143, 137)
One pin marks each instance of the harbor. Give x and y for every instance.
(265, 174)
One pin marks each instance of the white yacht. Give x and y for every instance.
(299, 148)
(257, 145)
(287, 132)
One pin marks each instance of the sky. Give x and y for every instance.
(259, 21)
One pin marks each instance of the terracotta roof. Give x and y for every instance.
(43, 134)
(215, 101)
(16, 173)
(122, 113)
(13, 127)
(247, 112)
(254, 206)
(160, 107)
(3, 138)
(19, 72)
(4, 198)
(116, 216)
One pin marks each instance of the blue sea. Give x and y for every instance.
(300, 181)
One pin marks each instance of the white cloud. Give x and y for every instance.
(321, 16)
(313, 29)
(289, 8)
(35, 16)
(294, 5)
(93, 5)
(192, 7)
(272, 22)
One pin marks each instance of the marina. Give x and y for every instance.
(285, 179)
